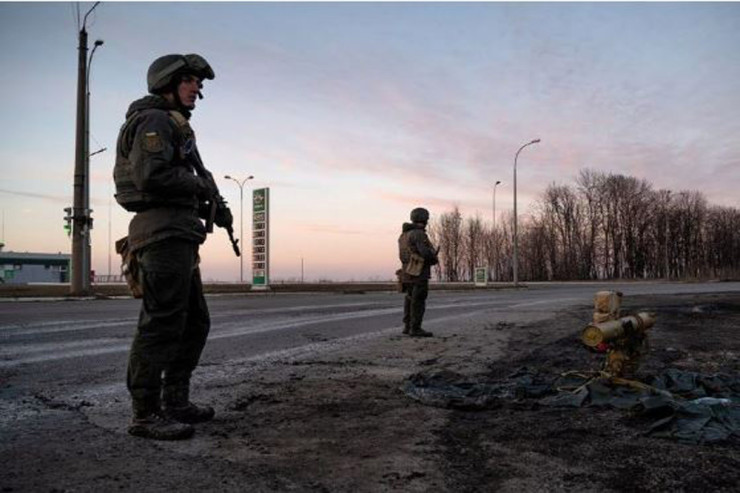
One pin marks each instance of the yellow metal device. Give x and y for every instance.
(624, 340)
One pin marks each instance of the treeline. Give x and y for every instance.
(607, 226)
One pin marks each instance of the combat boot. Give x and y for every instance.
(157, 426)
(177, 406)
(420, 333)
(406, 329)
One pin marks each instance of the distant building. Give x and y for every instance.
(24, 268)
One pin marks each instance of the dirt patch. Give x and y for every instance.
(340, 422)
(344, 425)
(522, 445)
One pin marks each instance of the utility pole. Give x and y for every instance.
(81, 222)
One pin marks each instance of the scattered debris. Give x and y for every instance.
(686, 406)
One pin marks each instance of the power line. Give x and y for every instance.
(57, 198)
(72, 11)
(97, 144)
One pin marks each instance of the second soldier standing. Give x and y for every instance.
(417, 256)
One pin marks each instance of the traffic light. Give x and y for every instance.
(68, 221)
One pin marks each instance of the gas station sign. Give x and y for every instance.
(261, 238)
(481, 276)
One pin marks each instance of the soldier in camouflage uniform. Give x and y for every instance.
(414, 242)
(159, 175)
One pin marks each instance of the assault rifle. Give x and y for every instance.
(220, 202)
(216, 203)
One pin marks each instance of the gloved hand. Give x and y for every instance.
(206, 189)
(223, 218)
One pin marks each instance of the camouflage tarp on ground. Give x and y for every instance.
(687, 406)
(443, 388)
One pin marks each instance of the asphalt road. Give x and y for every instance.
(79, 346)
(279, 369)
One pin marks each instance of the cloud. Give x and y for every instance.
(331, 229)
(429, 202)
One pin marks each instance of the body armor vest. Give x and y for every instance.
(127, 194)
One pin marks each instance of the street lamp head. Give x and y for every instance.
(535, 141)
(250, 177)
(227, 177)
(498, 182)
(98, 42)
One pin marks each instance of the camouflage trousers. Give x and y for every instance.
(173, 324)
(414, 303)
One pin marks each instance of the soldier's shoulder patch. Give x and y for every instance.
(153, 142)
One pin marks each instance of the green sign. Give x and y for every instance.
(259, 199)
(261, 238)
(481, 276)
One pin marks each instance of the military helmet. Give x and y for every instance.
(163, 70)
(419, 215)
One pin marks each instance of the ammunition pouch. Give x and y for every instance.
(127, 195)
(129, 267)
(415, 265)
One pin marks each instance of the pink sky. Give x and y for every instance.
(353, 114)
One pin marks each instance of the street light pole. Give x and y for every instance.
(241, 221)
(516, 238)
(493, 215)
(493, 232)
(80, 284)
(87, 255)
(110, 203)
(667, 264)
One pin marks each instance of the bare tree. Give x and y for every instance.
(608, 226)
(505, 248)
(473, 245)
(561, 225)
(588, 186)
(722, 248)
(447, 233)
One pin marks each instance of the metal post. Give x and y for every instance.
(80, 284)
(110, 203)
(86, 196)
(516, 238)
(667, 264)
(241, 221)
(493, 232)
(87, 250)
(241, 233)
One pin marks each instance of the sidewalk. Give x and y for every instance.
(61, 291)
